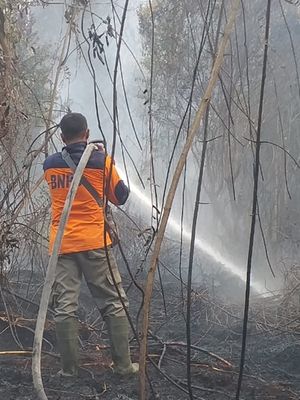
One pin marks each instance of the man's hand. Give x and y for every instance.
(99, 144)
(101, 147)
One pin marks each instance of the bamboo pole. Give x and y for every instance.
(171, 194)
(50, 275)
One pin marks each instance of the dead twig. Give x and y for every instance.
(26, 353)
(208, 390)
(162, 356)
(196, 348)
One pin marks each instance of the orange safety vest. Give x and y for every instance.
(85, 227)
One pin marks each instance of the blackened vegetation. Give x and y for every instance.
(272, 363)
(175, 33)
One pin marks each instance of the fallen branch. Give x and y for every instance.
(24, 299)
(200, 349)
(50, 275)
(171, 380)
(196, 348)
(25, 353)
(205, 389)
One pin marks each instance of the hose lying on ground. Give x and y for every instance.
(50, 275)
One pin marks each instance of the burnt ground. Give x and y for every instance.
(272, 366)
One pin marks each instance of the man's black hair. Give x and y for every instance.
(72, 125)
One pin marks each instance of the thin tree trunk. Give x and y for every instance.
(169, 201)
(50, 276)
(255, 208)
(191, 258)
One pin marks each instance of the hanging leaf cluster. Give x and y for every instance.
(97, 40)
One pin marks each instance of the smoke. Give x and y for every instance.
(77, 92)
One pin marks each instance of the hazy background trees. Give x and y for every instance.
(183, 32)
(228, 173)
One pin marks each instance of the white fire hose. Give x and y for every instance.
(50, 275)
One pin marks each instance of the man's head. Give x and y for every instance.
(74, 128)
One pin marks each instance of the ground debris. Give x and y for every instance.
(271, 370)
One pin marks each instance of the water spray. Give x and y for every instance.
(200, 244)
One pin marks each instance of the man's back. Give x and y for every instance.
(85, 227)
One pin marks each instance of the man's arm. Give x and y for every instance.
(116, 190)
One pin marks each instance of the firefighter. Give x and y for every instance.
(83, 251)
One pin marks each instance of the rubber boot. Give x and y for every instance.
(118, 334)
(67, 342)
